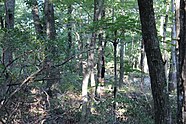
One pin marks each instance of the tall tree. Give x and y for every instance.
(1, 16)
(154, 59)
(69, 27)
(173, 68)
(115, 44)
(51, 53)
(7, 51)
(181, 86)
(89, 70)
(101, 45)
(9, 24)
(37, 22)
(49, 19)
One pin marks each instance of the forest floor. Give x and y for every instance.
(133, 103)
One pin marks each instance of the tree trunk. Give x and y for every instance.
(36, 19)
(69, 27)
(49, 19)
(142, 64)
(181, 87)
(7, 51)
(164, 34)
(173, 82)
(121, 75)
(90, 64)
(115, 43)
(1, 17)
(51, 52)
(9, 24)
(101, 56)
(154, 59)
(122, 52)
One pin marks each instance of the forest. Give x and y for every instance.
(92, 61)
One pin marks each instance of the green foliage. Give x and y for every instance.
(30, 52)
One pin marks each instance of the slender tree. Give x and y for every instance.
(154, 59)
(173, 82)
(115, 44)
(37, 22)
(51, 53)
(101, 55)
(9, 24)
(89, 70)
(1, 16)
(69, 27)
(142, 64)
(7, 51)
(122, 55)
(181, 86)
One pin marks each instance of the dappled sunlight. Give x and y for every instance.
(92, 61)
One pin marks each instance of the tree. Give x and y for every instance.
(101, 46)
(154, 59)
(173, 49)
(51, 53)
(7, 51)
(36, 18)
(89, 69)
(9, 24)
(181, 86)
(69, 27)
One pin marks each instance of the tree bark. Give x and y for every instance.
(7, 51)
(9, 24)
(89, 73)
(69, 27)
(154, 59)
(142, 64)
(115, 43)
(181, 87)
(121, 72)
(51, 52)
(36, 19)
(49, 19)
(173, 68)
(101, 56)
(1, 17)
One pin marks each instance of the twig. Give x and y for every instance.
(29, 78)
(68, 59)
(33, 75)
(10, 63)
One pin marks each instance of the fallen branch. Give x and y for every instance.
(28, 79)
(33, 75)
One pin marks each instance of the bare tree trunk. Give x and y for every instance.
(84, 114)
(142, 64)
(122, 51)
(173, 82)
(155, 61)
(7, 50)
(115, 43)
(164, 34)
(51, 52)
(1, 18)
(101, 56)
(181, 86)
(121, 63)
(49, 19)
(36, 19)
(9, 24)
(69, 27)
(90, 64)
